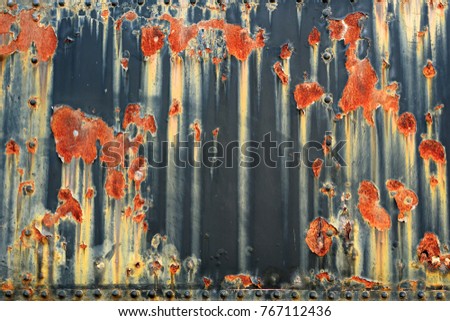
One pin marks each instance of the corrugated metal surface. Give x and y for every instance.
(359, 84)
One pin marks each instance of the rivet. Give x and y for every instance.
(115, 293)
(240, 294)
(8, 293)
(87, 3)
(151, 294)
(11, 3)
(205, 294)
(402, 294)
(421, 295)
(167, 2)
(26, 293)
(223, 294)
(140, 2)
(276, 294)
(439, 296)
(61, 294)
(348, 295)
(44, 294)
(97, 293)
(114, 3)
(295, 295)
(187, 294)
(79, 294)
(193, 2)
(259, 293)
(134, 294)
(35, 3)
(61, 3)
(34, 60)
(365, 295)
(169, 294)
(384, 295)
(331, 296)
(313, 295)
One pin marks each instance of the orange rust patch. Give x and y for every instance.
(105, 14)
(175, 108)
(327, 141)
(406, 124)
(286, 51)
(32, 145)
(7, 286)
(35, 235)
(279, 71)
(438, 107)
(139, 218)
(180, 35)
(240, 279)
(138, 171)
(323, 276)
(69, 205)
(328, 190)
(364, 94)
(12, 148)
(393, 185)
(348, 29)
(367, 283)
(314, 37)
(433, 181)
(216, 60)
(428, 118)
(174, 268)
(207, 282)
(307, 93)
(115, 184)
(428, 248)
(128, 212)
(375, 215)
(132, 116)
(197, 131)
(405, 199)
(319, 236)
(26, 188)
(124, 63)
(119, 147)
(238, 40)
(429, 253)
(215, 132)
(429, 71)
(431, 149)
(129, 16)
(152, 40)
(317, 167)
(359, 93)
(83, 246)
(138, 202)
(89, 193)
(76, 134)
(31, 32)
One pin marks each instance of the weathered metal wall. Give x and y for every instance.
(78, 76)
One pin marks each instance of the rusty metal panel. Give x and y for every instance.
(231, 149)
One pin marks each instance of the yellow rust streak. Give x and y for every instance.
(243, 173)
(175, 126)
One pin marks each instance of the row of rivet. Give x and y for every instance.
(223, 294)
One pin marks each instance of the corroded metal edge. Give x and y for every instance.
(131, 294)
